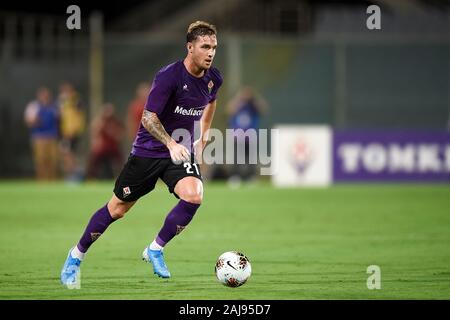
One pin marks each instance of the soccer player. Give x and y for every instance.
(181, 93)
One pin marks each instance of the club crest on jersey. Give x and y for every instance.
(126, 192)
(210, 86)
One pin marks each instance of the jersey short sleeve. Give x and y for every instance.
(161, 90)
(217, 78)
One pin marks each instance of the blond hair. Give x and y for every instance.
(200, 28)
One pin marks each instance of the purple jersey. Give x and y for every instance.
(179, 99)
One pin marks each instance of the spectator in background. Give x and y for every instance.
(41, 116)
(245, 110)
(105, 150)
(135, 109)
(71, 129)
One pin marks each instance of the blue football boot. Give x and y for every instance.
(156, 257)
(71, 273)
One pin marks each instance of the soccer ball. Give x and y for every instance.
(233, 269)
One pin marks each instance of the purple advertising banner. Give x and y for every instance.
(366, 155)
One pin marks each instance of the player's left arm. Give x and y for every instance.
(205, 125)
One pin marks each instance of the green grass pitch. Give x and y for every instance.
(302, 243)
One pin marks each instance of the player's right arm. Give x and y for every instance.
(151, 122)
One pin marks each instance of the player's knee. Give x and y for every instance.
(192, 197)
(118, 210)
(197, 199)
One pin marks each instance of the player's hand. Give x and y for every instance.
(178, 152)
(199, 145)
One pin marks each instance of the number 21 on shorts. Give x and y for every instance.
(189, 166)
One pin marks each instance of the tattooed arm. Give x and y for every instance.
(151, 122)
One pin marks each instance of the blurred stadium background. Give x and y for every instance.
(315, 63)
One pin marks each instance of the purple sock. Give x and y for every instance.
(177, 219)
(96, 226)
